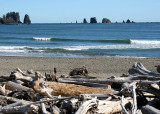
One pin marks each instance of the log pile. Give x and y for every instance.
(33, 92)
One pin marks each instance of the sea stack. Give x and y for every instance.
(128, 21)
(93, 20)
(105, 20)
(27, 19)
(84, 20)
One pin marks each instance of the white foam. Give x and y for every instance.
(41, 39)
(145, 42)
(12, 48)
(140, 46)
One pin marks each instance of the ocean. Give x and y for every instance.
(115, 40)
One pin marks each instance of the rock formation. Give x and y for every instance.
(13, 18)
(105, 20)
(84, 20)
(123, 21)
(27, 19)
(128, 21)
(93, 20)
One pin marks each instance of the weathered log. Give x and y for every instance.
(79, 71)
(42, 88)
(86, 106)
(6, 77)
(19, 103)
(14, 86)
(55, 110)
(149, 110)
(124, 109)
(134, 106)
(19, 109)
(139, 69)
(43, 108)
(2, 90)
(13, 99)
(158, 68)
(19, 76)
(72, 90)
(99, 96)
(142, 80)
(110, 107)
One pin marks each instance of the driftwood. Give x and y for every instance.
(11, 99)
(149, 110)
(158, 68)
(69, 89)
(84, 93)
(19, 76)
(139, 69)
(110, 107)
(14, 86)
(86, 106)
(79, 71)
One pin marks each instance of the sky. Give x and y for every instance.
(66, 11)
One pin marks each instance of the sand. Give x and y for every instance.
(97, 67)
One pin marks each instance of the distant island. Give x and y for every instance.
(12, 18)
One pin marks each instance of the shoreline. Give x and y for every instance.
(97, 67)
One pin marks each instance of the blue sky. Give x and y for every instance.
(62, 11)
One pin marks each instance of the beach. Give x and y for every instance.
(97, 67)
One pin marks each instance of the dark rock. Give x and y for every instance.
(27, 19)
(84, 20)
(2, 21)
(124, 21)
(93, 20)
(133, 22)
(105, 20)
(128, 21)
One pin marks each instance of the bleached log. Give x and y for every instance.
(86, 106)
(14, 86)
(134, 106)
(2, 90)
(110, 107)
(142, 80)
(19, 76)
(139, 69)
(19, 70)
(124, 109)
(43, 108)
(99, 96)
(55, 109)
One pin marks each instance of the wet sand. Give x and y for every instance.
(97, 67)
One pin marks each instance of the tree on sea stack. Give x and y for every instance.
(93, 20)
(27, 19)
(105, 20)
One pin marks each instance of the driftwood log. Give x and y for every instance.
(69, 89)
(139, 69)
(14, 86)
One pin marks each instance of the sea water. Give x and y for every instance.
(115, 40)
